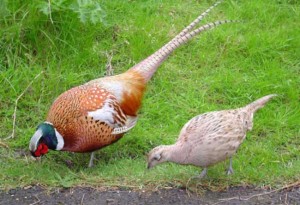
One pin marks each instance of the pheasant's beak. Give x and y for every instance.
(149, 166)
(38, 159)
(33, 154)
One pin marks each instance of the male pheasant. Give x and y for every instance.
(209, 138)
(98, 113)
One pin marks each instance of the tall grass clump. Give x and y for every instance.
(45, 29)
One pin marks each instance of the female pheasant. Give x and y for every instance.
(209, 138)
(98, 113)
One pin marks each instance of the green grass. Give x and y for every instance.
(224, 68)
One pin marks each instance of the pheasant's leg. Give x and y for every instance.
(203, 173)
(230, 169)
(91, 163)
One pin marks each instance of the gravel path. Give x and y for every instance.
(88, 196)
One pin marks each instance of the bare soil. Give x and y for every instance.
(90, 196)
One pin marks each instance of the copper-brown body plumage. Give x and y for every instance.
(83, 133)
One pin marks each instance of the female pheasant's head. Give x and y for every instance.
(45, 137)
(158, 155)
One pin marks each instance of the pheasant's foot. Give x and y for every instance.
(230, 171)
(201, 175)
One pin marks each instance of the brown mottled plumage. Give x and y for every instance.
(96, 114)
(209, 138)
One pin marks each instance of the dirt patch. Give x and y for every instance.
(90, 196)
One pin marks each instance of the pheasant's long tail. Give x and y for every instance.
(257, 104)
(193, 24)
(148, 66)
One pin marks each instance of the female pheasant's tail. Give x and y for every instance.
(148, 66)
(257, 104)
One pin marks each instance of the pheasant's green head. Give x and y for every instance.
(45, 137)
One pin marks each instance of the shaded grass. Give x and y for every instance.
(226, 68)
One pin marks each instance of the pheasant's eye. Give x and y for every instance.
(157, 157)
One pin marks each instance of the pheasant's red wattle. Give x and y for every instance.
(44, 148)
(41, 150)
(37, 153)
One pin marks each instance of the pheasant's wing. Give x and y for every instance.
(101, 105)
(196, 128)
(224, 123)
(108, 111)
(88, 101)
